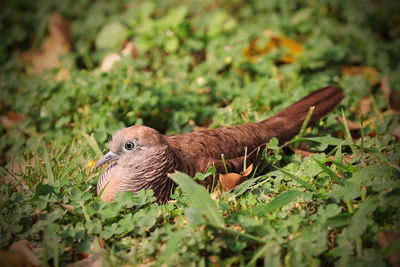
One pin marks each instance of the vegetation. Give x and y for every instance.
(182, 65)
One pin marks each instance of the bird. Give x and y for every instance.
(140, 157)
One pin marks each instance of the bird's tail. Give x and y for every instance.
(285, 125)
(289, 121)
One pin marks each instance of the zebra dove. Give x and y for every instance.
(141, 158)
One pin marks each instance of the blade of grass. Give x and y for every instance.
(244, 235)
(329, 140)
(347, 133)
(306, 121)
(93, 144)
(257, 255)
(328, 171)
(70, 165)
(223, 161)
(297, 179)
(245, 157)
(49, 171)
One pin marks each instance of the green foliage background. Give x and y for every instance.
(190, 70)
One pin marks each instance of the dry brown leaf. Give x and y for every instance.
(365, 105)
(16, 169)
(294, 48)
(109, 60)
(385, 86)
(370, 73)
(62, 75)
(396, 131)
(57, 43)
(19, 166)
(128, 50)
(23, 249)
(230, 180)
(392, 96)
(93, 260)
(385, 239)
(248, 170)
(69, 208)
(11, 118)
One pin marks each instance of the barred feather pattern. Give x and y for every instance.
(147, 170)
(105, 176)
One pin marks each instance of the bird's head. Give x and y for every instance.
(139, 158)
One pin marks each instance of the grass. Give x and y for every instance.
(196, 65)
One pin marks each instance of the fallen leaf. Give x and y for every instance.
(396, 131)
(294, 48)
(57, 43)
(385, 86)
(365, 105)
(392, 96)
(11, 118)
(111, 35)
(92, 260)
(23, 249)
(12, 259)
(230, 180)
(248, 170)
(69, 208)
(369, 73)
(129, 50)
(385, 239)
(62, 75)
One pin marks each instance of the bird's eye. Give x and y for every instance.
(129, 145)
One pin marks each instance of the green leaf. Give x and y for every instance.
(339, 220)
(199, 196)
(111, 35)
(171, 44)
(277, 203)
(273, 143)
(361, 217)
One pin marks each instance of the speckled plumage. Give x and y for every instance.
(146, 166)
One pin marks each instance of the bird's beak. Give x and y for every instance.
(110, 156)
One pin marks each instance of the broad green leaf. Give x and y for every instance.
(277, 203)
(111, 35)
(199, 196)
(339, 220)
(361, 217)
